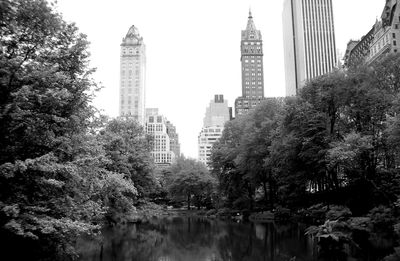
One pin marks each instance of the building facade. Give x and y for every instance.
(132, 76)
(174, 144)
(383, 38)
(358, 51)
(207, 137)
(251, 59)
(309, 41)
(217, 114)
(386, 32)
(158, 127)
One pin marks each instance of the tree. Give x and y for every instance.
(53, 170)
(234, 190)
(45, 84)
(241, 157)
(128, 149)
(192, 180)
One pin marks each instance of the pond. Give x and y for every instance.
(200, 239)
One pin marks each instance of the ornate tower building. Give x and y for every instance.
(252, 69)
(132, 76)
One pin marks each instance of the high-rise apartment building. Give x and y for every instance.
(252, 69)
(383, 38)
(160, 129)
(132, 76)
(309, 41)
(213, 125)
(217, 113)
(174, 144)
(386, 32)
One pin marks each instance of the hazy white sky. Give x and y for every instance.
(193, 49)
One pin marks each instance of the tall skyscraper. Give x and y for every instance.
(309, 41)
(252, 69)
(213, 125)
(132, 76)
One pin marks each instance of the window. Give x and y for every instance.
(394, 35)
(396, 26)
(394, 43)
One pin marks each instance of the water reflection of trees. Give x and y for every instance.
(177, 239)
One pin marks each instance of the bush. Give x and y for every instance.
(211, 212)
(338, 213)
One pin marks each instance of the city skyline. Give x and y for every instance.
(183, 38)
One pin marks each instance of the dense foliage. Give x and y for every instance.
(338, 136)
(189, 180)
(63, 170)
(336, 142)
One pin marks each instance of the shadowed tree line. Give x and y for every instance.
(336, 142)
(341, 131)
(64, 170)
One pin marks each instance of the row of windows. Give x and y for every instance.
(128, 113)
(252, 74)
(162, 157)
(154, 127)
(130, 83)
(246, 103)
(382, 43)
(130, 63)
(212, 130)
(252, 50)
(130, 102)
(252, 43)
(252, 61)
(252, 83)
(130, 91)
(129, 108)
(211, 134)
(130, 72)
(130, 51)
(254, 87)
(158, 118)
(253, 69)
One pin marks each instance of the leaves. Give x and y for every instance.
(190, 179)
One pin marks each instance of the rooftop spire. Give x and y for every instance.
(251, 31)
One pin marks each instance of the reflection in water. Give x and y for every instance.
(199, 239)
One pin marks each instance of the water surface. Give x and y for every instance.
(200, 239)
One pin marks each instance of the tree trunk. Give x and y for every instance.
(271, 194)
(250, 191)
(188, 201)
(265, 193)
